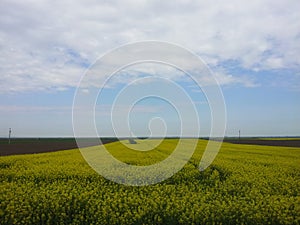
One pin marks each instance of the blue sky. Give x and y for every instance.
(251, 47)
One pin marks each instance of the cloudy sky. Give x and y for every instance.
(252, 47)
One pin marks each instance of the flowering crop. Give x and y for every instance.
(244, 185)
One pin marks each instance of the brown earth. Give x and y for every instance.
(40, 145)
(284, 143)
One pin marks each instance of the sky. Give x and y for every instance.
(251, 47)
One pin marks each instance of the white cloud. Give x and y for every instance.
(48, 44)
(274, 62)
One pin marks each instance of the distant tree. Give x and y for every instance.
(131, 141)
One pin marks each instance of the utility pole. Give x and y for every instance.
(239, 134)
(9, 135)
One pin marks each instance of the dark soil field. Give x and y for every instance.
(288, 142)
(40, 145)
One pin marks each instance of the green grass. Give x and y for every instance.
(244, 185)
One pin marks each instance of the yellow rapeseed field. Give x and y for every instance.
(246, 184)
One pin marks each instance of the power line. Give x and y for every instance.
(9, 135)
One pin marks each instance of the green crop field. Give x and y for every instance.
(244, 185)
